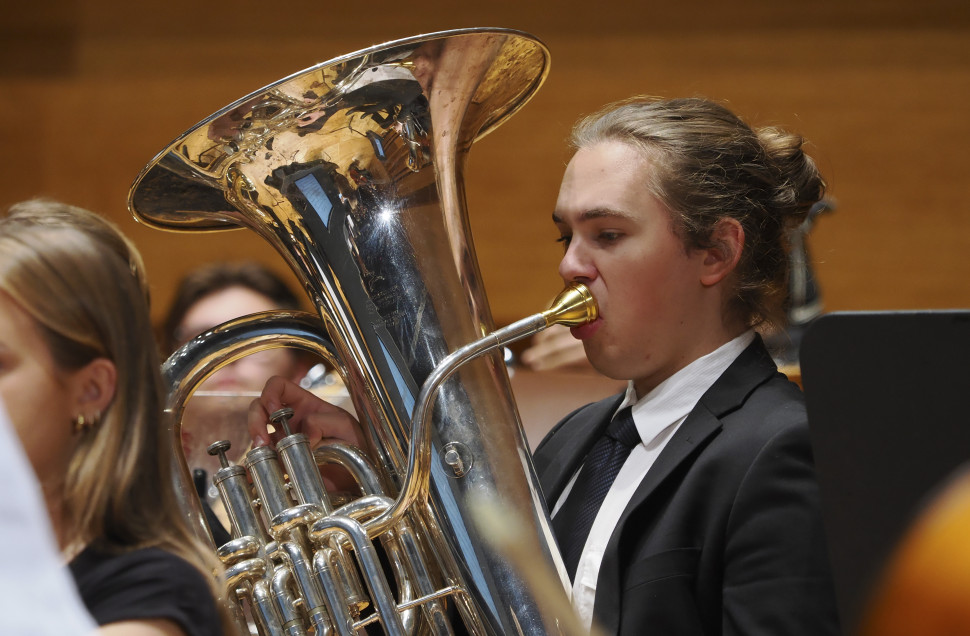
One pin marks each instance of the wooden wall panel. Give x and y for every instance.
(882, 89)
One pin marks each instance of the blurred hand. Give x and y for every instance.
(555, 348)
(319, 420)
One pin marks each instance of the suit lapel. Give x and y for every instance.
(752, 368)
(696, 429)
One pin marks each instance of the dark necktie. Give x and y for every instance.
(575, 517)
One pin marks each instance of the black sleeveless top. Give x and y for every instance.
(145, 584)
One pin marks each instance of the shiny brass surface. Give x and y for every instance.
(352, 170)
(574, 306)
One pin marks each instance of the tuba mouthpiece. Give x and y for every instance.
(574, 306)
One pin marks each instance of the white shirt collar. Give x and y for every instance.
(671, 400)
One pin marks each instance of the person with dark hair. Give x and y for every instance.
(687, 504)
(247, 280)
(80, 379)
(205, 298)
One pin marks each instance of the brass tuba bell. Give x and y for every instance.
(352, 170)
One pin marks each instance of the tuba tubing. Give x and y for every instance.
(352, 171)
(192, 364)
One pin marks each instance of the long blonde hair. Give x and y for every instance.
(82, 282)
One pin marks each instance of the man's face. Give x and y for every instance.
(619, 241)
(219, 408)
(251, 372)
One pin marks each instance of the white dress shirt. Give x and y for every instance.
(657, 416)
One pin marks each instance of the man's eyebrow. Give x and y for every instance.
(595, 213)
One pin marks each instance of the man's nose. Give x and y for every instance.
(576, 265)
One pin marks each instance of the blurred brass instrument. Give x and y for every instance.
(352, 170)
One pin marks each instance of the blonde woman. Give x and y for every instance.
(80, 378)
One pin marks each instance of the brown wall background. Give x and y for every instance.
(90, 91)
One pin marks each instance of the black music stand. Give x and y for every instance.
(887, 407)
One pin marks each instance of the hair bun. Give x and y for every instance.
(799, 183)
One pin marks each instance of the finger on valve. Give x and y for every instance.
(313, 416)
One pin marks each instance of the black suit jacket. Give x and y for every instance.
(724, 533)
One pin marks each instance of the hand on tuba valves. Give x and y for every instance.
(319, 420)
(303, 565)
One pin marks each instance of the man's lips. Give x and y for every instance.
(586, 331)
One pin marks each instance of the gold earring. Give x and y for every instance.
(83, 424)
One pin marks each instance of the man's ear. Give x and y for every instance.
(727, 244)
(94, 386)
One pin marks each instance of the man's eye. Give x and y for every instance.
(565, 240)
(609, 236)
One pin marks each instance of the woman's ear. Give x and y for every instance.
(95, 385)
(721, 259)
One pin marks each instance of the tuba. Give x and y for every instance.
(352, 170)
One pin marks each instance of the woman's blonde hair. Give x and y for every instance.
(82, 282)
(709, 164)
